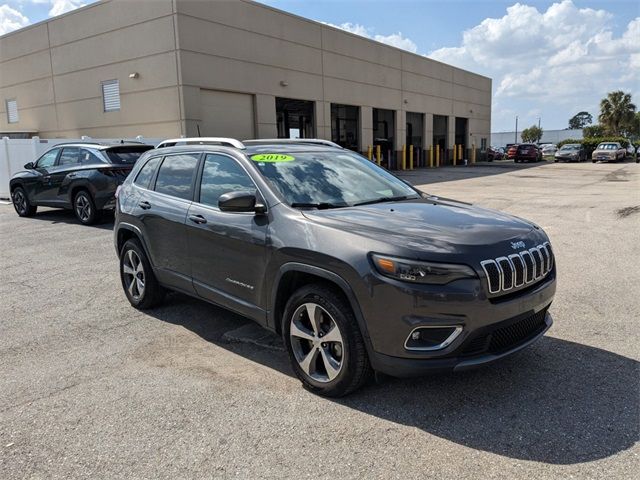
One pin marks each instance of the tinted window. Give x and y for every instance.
(222, 174)
(87, 157)
(48, 159)
(146, 172)
(69, 156)
(127, 155)
(175, 176)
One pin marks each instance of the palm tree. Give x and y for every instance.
(616, 112)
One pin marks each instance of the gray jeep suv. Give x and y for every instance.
(356, 269)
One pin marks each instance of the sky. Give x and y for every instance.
(547, 59)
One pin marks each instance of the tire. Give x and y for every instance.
(138, 280)
(329, 368)
(85, 208)
(593, 161)
(21, 203)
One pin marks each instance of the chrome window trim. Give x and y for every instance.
(448, 341)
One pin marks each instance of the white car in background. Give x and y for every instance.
(548, 149)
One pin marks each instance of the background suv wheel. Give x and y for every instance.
(85, 208)
(21, 203)
(324, 342)
(138, 280)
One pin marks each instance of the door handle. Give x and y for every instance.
(46, 178)
(72, 175)
(199, 219)
(144, 205)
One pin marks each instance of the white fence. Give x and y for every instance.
(14, 153)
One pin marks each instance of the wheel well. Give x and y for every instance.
(75, 190)
(292, 281)
(124, 235)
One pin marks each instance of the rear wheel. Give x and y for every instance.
(325, 345)
(138, 280)
(21, 203)
(85, 208)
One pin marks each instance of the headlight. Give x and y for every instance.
(420, 272)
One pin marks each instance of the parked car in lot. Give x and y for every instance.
(548, 149)
(79, 176)
(494, 153)
(357, 270)
(527, 152)
(609, 151)
(571, 152)
(511, 151)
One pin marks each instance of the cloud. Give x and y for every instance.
(58, 7)
(395, 39)
(562, 56)
(11, 19)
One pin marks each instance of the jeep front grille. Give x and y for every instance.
(529, 266)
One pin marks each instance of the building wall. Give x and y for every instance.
(500, 139)
(54, 71)
(188, 52)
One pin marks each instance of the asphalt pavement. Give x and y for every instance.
(90, 387)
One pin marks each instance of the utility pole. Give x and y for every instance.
(540, 137)
(516, 139)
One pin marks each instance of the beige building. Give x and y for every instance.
(165, 68)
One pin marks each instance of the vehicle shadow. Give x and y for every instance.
(56, 215)
(557, 402)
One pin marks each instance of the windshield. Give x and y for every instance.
(126, 155)
(569, 147)
(607, 146)
(330, 179)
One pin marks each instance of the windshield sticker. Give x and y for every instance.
(272, 158)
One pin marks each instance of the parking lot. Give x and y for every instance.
(90, 387)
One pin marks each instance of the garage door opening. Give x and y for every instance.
(440, 134)
(345, 126)
(415, 129)
(295, 118)
(461, 133)
(384, 126)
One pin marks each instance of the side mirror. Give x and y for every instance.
(240, 201)
(29, 166)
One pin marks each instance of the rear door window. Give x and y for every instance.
(69, 156)
(222, 174)
(176, 175)
(146, 172)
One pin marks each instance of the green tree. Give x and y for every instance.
(616, 112)
(593, 131)
(580, 120)
(532, 134)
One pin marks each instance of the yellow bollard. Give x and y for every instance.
(404, 157)
(473, 153)
(437, 155)
(455, 155)
(370, 152)
(410, 157)
(430, 156)
(378, 157)
(460, 153)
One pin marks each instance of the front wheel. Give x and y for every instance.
(325, 345)
(21, 203)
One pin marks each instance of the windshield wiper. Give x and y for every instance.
(386, 199)
(319, 206)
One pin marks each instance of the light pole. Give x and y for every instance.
(516, 139)
(540, 137)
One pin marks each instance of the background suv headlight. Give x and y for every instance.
(414, 271)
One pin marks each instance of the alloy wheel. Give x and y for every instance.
(133, 270)
(20, 202)
(83, 207)
(317, 343)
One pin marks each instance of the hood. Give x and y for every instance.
(432, 223)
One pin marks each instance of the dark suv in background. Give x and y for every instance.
(80, 176)
(356, 269)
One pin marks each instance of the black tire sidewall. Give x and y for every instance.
(152, 292)
(29, 209)
(93, 217)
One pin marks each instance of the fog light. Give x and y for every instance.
(432, 338)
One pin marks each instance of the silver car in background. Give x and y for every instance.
(571, 152)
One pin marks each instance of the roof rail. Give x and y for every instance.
(75, 143)
(292, 141)
(230, 142)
